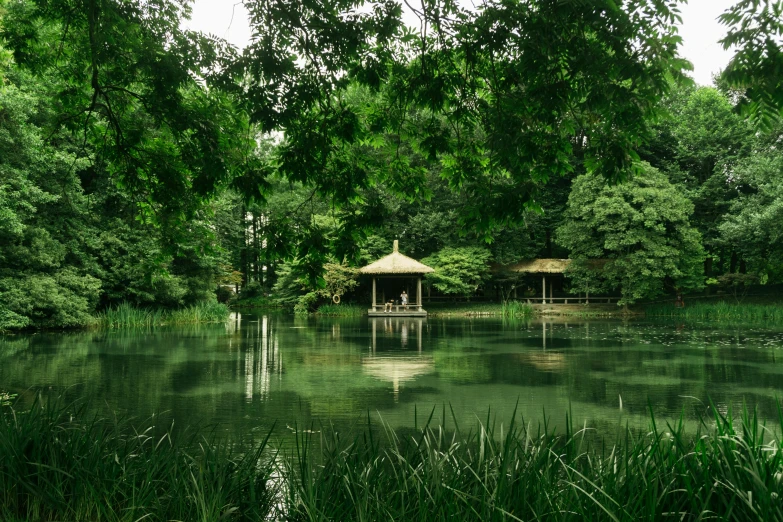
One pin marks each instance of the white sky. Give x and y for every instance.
(700, 30)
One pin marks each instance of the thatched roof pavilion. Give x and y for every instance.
(552, 267)
(396, 265)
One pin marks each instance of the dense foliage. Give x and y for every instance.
(145, 164)
(639, 230)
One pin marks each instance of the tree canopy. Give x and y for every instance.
(641, 230)
(143, 162)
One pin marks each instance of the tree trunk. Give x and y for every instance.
(243, 258)
(256, 267)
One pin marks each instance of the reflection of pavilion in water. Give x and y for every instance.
(392, 327)
(393, 366)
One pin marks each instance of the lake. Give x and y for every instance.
(257, 370)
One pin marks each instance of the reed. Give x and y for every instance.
(719, 311)
(58, 463)
(341, 310)
(514, 473)
(126, 315)
(204, 312)
(516, 309)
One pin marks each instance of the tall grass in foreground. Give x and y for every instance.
(342, 310)
(56, 468)
(719, 311)
(57, 463)
(725, 472)
(126, 315)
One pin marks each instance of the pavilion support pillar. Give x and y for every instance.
(418, 292)
(543, 284)
(373, 293)
(551, 292)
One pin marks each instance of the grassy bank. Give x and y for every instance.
(521, 310)
(129, 316)
(719, 311)
(58, 466)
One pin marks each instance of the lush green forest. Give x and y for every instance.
(142, 163)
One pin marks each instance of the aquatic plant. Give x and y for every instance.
(126, 315)
(516, 309)
(342, 310)
(7, 398)
(60, 464)
(204, 312)
(515, 473)
(719, 311)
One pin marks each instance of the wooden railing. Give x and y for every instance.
(397, 308)
(569, 300)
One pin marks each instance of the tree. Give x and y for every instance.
(640, 227)
(499, 98)
(710, 139)
(754, 221)
(339, 279)
(756, 31)
(45, 274)
(458, 270)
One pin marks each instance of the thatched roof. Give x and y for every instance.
(396, 263)
(550, 266)
(541, 266)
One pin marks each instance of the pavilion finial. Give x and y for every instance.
(396, 246)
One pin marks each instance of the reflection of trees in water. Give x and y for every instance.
(262, 361)
(246, 375)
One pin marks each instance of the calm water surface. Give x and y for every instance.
(244, 376)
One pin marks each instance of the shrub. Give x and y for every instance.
(251, 289)
(305, 303)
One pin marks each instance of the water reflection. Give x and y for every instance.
(396, 368)
(254, 370)
(262, 361)
(396, 328)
